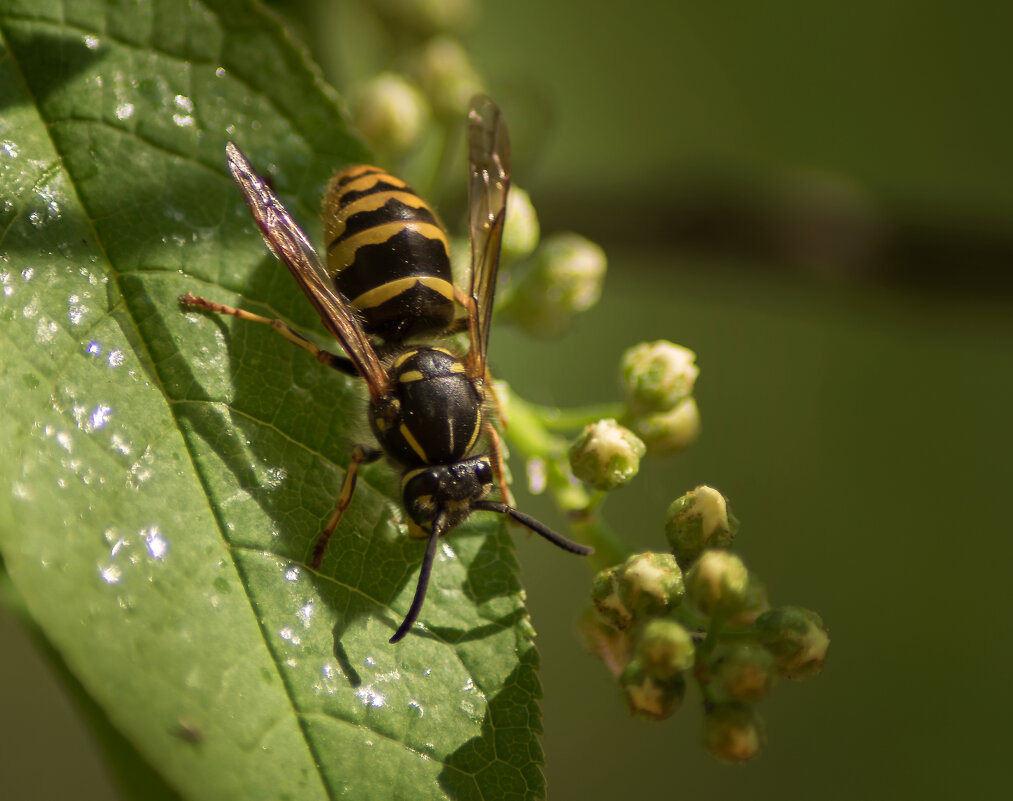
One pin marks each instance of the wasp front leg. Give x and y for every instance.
(360, 456)
(340, 363)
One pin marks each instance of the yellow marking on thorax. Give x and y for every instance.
(390, 290)
(410, 376)
(478, 427)
(343, 253)
(403, 358)
(413, 443)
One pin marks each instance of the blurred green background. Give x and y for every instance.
(818, 200)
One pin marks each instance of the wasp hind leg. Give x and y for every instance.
(360, 456)
(340, 363)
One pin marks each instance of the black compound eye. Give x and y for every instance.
(425, 483)
(419, 498)
(483, 472)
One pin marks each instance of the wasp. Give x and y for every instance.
(386, 286)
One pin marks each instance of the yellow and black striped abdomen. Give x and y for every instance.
(388, 253)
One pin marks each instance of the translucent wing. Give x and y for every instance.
(489, 159)
(288, 242)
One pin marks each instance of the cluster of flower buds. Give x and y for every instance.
(605, 455)
(659, 416)
(659, 620)
(658, 380)
(697, 612)
(562, 278)
(390, 113)
(426, 17)
(393, 112)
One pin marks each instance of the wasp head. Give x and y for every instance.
(451, 488)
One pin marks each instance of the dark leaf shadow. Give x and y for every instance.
(508, 738)
(45, 74)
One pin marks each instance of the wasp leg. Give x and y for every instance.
(323, 356)
(462, 297)
(487, 389)
(490, 390)
(360, 456)
(496, 459)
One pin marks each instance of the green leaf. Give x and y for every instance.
(163, 474)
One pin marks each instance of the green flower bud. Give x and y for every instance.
(520, 230)
(566, 278)
(606, 599)
(390, 113)
(651, 584)
(657, 376)
(669, 432)
(607, 643)
(743, 673)
(719, 584)
(447, 77)
(649, 696)
(665, 649)
(605, 455)
(645, 586)
(702, 518)
(733, 732)
(426, 17)
(796, 638)
(755, 604)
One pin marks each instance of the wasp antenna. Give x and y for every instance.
(536, 526)
(439, 523)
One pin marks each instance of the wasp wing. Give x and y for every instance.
(288, 242)
(489, 162)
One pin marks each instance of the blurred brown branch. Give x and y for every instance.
(821, 224)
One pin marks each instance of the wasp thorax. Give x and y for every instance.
(452, 488)
(433, 411)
